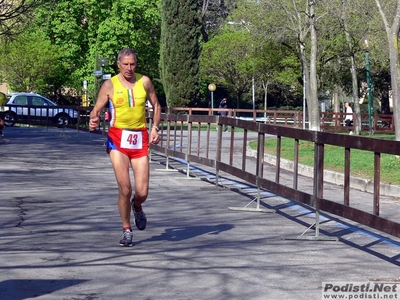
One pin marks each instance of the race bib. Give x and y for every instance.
(131, 139)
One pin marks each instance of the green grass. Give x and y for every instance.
(361, 162)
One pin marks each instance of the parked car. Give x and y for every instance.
(34, 108)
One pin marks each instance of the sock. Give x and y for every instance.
(127, 228)
(136, 208)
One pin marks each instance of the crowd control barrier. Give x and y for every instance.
(193, 139)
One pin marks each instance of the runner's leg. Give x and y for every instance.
(140, 167)
(120, 163)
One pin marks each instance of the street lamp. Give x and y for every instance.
(212, 87)
(369, 88)
(104, 63)
(85, 99)
(254, 95)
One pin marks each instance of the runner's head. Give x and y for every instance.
(127, 62)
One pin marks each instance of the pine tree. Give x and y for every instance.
(180, 51)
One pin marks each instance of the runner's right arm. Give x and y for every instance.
(104, 94)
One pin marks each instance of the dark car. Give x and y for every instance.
(34, 108)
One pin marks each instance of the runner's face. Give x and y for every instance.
(127, 66)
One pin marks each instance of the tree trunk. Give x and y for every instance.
(306, 76)
(394, 70)
(336, 106)
(385, 103)
(265, 87)
(356, 98)
(392, 35)
(313, 105)
(354, 80)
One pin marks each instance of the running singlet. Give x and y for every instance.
(128, 106)
(128, 131)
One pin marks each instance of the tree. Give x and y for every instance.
(213, 15)
(32, 64)
(309, 30)
(66, 25)
(276, 69)
(180, 51)
(14, 14)
(392, 33)
(295, 34)
(227, 60)
(344, 69)
(87, 30)
(131, 24)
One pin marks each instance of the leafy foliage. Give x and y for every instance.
(226, 60)
(180, 51)
(87, 30)
(31, 63)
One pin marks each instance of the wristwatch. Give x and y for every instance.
(156, 128)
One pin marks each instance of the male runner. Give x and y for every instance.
(128, 137)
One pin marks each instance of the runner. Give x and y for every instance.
(128, 136)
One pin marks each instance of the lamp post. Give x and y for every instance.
(369, 88)
(85, 100)
(104, 63)
(304, 95)
(212, 87)
(254, 93)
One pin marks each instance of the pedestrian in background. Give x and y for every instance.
(224, 113)
(349, 116)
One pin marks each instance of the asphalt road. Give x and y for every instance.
(59, 232)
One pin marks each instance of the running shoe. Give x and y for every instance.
(126, 240)
(140, 219)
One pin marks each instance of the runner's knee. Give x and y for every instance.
(140, 198)
(125, 191)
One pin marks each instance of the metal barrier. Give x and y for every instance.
(189, 137)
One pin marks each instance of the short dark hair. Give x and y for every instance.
(126, 52)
